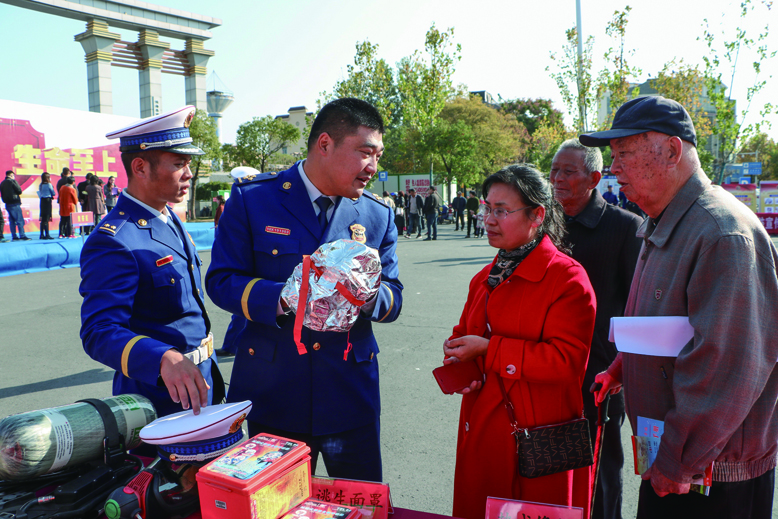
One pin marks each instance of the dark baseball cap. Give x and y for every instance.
(645, 114)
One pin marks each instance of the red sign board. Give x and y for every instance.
(373, 499)
(82, 219)
(770, 222)
(508, 509)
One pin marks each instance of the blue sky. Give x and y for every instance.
(278, 54)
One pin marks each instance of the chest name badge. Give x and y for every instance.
(358, 233)
(277, 230)
(164, 261)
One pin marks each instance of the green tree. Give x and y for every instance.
(261, 137)
(687, 85)
(723, 57)
(581, 91)
(545, 129)
(424, 81)
(532, 113)
(472, 139)
(614, 80)
(205, 192)
(372, 80)
(230, 157)
(573, 77)
(403, 153)
(761, 148)
(203, 133)
(455, 145)
(545, 141)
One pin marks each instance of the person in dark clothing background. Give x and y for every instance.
(472, 208)
(83, 199)
(431, 205)
(414, 210)
(46, 194)
(11, 192)
(458, 204)
(604, 242)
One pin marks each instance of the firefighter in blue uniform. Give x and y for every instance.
(143, 312)
(328, 397)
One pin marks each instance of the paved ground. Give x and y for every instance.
(44, 364)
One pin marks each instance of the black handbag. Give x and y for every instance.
(549, 449)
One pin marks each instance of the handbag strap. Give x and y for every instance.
(509, 408)
(506, 401)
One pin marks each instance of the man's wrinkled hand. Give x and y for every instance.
(183, 381)
(608, 385)
(663, 485)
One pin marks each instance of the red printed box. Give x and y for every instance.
(312, 509)
(260, 479)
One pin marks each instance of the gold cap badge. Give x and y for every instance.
(237, 423)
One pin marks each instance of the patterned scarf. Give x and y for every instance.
(507, 261)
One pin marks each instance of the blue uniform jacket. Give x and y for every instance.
(142, 296)
(267, 226)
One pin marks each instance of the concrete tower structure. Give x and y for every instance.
(218, 101)
(149, 55)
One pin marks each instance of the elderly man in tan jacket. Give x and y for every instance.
(706, 256)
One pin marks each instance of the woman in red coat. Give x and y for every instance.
(540, 308)
(67, 205)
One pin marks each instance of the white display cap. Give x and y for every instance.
(213, 421)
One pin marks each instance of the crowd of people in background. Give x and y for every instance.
(414, 212)
(92, 195)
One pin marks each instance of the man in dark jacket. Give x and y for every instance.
(604, 243)
(431, 205)
(471, 207)
(83, 199)
(458, 204)
(11, 195)
(63, 178)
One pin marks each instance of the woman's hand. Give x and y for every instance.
(464, 348)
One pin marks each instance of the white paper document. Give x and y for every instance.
(662, 336)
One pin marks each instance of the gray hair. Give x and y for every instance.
(592, 156)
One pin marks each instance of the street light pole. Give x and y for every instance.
(581, 100)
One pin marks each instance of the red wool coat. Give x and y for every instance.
(542, 318)
(67, 200)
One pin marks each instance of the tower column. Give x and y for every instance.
(150, 74)
(195, 78)
(97, 42)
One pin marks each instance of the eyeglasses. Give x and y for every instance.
(500, 213)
